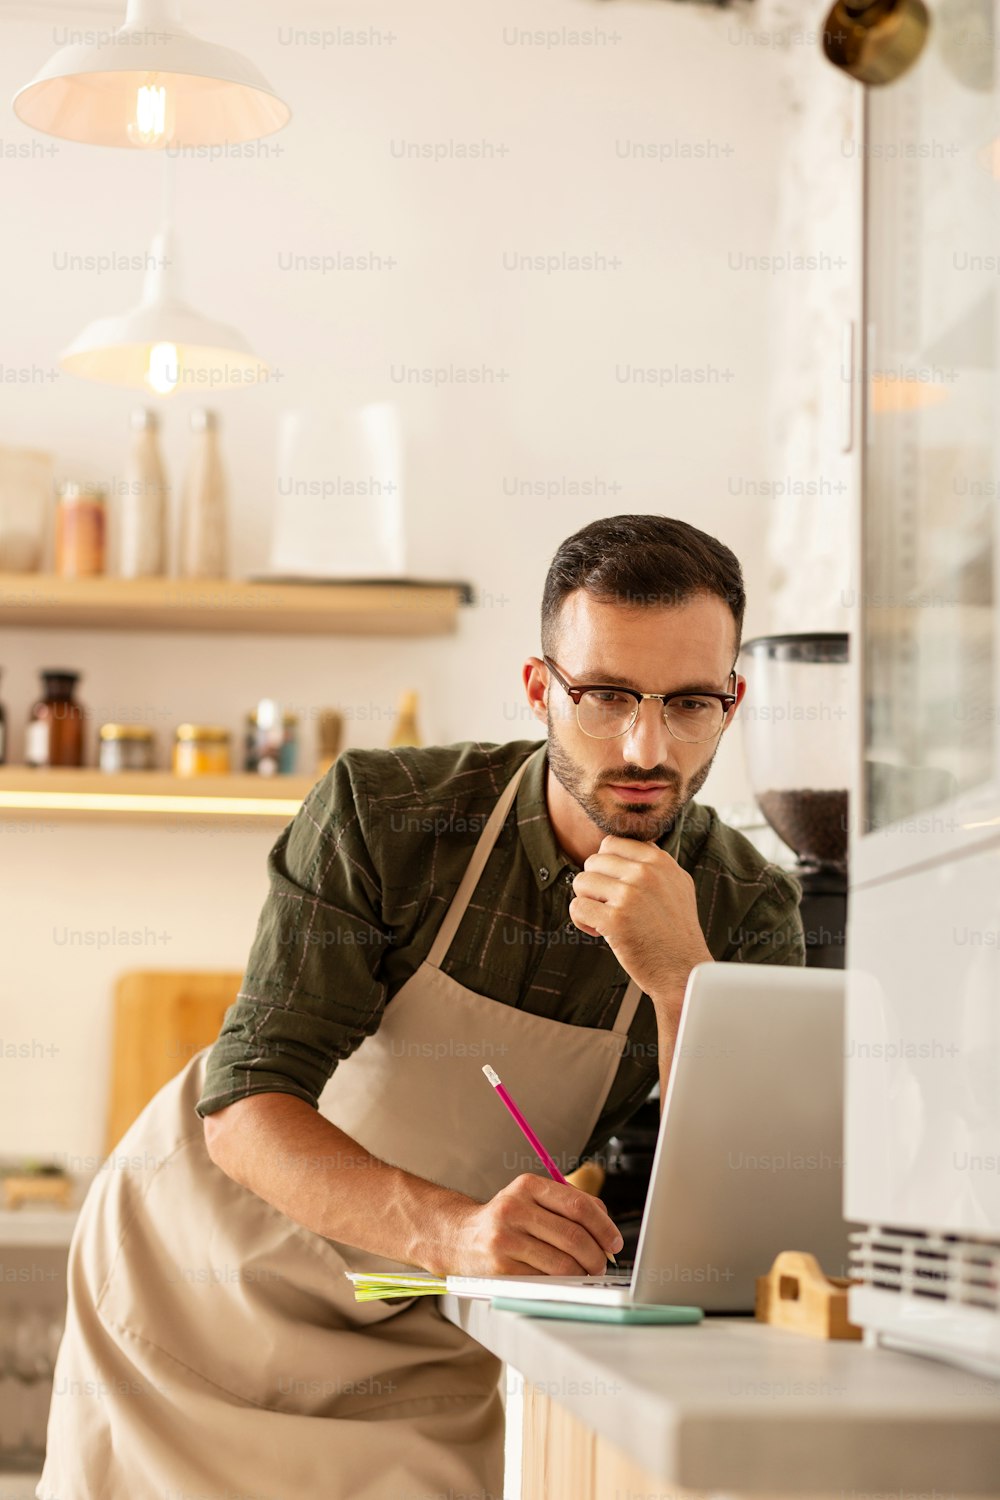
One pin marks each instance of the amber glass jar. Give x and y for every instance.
(201, 750)
(56, 723)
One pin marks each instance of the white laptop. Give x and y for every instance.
(749, 1157)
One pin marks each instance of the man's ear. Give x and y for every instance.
(739, 690)
(536, 685)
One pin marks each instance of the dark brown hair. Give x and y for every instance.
(641, 561)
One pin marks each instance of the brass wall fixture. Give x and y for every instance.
(875, 41)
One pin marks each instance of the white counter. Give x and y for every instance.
(735, 1405)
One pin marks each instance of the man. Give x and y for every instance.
(539, 904)
(610, 834)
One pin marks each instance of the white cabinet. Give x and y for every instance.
(923, 1065)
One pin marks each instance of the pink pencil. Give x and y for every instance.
(527, 1131)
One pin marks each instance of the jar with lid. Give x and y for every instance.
(271, 740)
(54, 736)
(201, 750)
(80, 529)
(125, 747)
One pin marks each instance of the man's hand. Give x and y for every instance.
(533, 1225)
(637, 897)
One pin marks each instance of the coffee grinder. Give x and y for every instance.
(796, 734)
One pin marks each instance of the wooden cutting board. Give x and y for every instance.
(162, 1017)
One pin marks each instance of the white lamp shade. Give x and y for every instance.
(210, 356)
(213, 95)
(200, 353)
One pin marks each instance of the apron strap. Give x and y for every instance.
(481, 853)
(476, 865)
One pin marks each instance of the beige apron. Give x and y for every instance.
(207, 1331)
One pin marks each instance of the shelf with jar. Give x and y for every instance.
(101, 602)
(86, 792)
(109, 567)
(201, 781)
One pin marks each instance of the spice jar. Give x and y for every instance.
(201, 750)
(54, 736)
(271, 740)
(80, 530)
(125, 747)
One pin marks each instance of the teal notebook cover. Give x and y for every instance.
(580, 1312)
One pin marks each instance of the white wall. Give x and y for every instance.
(567, 115)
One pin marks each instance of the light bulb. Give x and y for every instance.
(149, 127)
(163, 369)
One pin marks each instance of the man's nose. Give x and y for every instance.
(649, 741)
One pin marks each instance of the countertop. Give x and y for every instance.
(733, 1404)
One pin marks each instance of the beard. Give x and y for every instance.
(635, 820)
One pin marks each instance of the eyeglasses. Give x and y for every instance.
(603, 713)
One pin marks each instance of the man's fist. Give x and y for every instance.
(637, 897)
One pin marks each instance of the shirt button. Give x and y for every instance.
(543, 873)
(568, 878)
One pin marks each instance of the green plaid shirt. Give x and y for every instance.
(360, 880)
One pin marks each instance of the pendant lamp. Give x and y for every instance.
(151, 85)
(163, 345)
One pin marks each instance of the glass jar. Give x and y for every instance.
(54, 736)
(80, 530)
(125, 747)
(798, 732)
(201, 750)
(271, 740)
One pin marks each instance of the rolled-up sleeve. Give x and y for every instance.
(311, 990)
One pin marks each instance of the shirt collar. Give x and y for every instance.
(538, 838)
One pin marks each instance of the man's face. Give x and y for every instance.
(635, 785)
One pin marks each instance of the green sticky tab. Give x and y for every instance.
(583, 1312)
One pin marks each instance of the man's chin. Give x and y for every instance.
(638, 820)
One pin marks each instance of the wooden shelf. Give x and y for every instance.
(45, 600)
(88, 793)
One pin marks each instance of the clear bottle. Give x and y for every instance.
(56, 723)
(204, 539)
(142, 513)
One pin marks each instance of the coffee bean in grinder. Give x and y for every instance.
(798, 738)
